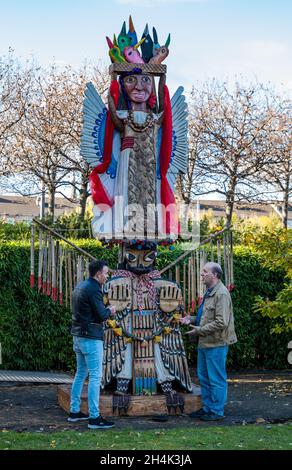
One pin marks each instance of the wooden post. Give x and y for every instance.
(49, 265)
(66, 277)
(60, 275)
(70, 277)
(54, 272)
(189, 285)
(198, 276)
(211, 250)
(193, 283)
(184, 286)
(219, 251)
(231, 260)
(225, 261)
(32, 256)
(40, 267)
(177, 274)
(45, 264)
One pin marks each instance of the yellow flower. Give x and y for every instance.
(129, 340)
(105, 300)
(157, 339)
(112, 323)
(167, 330)
(176, 317)
(118, 331)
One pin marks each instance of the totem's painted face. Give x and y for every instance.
(138, 87)
(140, 261)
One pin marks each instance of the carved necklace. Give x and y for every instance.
(149, 122)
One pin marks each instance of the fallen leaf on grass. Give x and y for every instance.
(260, 420)
(53, 444)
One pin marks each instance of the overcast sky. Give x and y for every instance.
(209, 38)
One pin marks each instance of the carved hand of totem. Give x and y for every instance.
(170, 298)
(119, 295)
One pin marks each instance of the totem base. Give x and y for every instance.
(140, 405)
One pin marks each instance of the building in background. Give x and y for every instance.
(23, 209)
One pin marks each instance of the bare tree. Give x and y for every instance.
(48, 139)
(15, 81)
(278, 176)
(188, 183)
(230, 130)
(71, 104)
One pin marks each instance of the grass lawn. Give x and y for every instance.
(260, 437)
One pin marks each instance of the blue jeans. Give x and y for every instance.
(213, 378)
(89, 355)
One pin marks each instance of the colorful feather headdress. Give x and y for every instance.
(124, 48)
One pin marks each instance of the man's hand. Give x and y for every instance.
(194, 331)
(185, 320)
(113, 310)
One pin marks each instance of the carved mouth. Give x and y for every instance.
(139, 96)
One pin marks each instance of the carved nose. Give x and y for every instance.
(139, 86)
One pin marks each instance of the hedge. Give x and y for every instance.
(34, 331)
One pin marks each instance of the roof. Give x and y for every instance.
(242, 209)
(19, 208)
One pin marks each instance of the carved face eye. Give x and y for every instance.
(146, 79)
(130, 53)
(163, 50)
(150, 257)
(130, 257)
(131, 79)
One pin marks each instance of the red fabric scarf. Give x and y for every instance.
(98, 192)
(167, 196)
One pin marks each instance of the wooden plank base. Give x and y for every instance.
(139, 406)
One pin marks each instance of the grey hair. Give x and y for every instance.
(216, 269)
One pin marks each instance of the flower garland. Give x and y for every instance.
(164, 329)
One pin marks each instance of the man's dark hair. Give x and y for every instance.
(96, 266)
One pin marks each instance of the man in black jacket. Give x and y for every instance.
(88, 315)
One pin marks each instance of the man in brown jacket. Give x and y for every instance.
(214, 327)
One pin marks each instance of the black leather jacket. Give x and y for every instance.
(88, 310)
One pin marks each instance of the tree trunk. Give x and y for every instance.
(285, 207)
(51, 208)
(83, 197)
(229, 206)
(43, 201)
(230, 196)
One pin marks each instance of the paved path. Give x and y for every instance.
(252, 398)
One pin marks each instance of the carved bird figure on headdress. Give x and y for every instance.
(132, 55)
(114, 52)
(123, 39)
(132, 33)
(147, 46)
(156, 44)
(161, 53)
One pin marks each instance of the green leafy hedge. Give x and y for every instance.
(34, 331)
